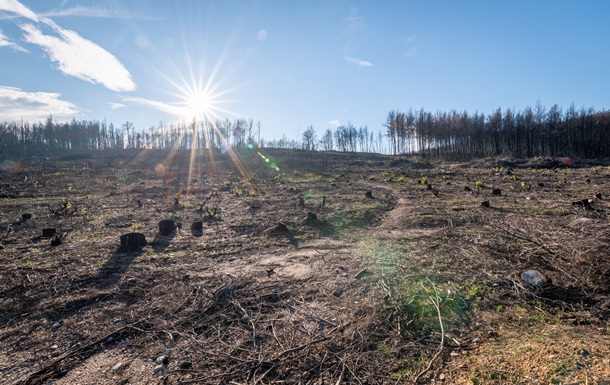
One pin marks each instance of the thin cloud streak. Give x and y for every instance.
(17, 104)
(6, 42)
(334, 123)
(81, 58)
(116, 106)
(358, 62)
(97, 12)
(160, 106)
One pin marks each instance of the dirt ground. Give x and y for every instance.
(294, 267)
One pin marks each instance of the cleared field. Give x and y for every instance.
(303, 267)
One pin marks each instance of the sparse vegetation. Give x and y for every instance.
(342, 269)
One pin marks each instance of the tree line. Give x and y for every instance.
(50, 137)
(528, 133)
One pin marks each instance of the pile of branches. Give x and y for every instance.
(245, 332)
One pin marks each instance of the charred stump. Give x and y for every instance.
(48, 233)
(167, 227)
(133, 241)
(197, 228)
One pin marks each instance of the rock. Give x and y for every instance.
(133, 241)
(56, 326)
(162, 360)
(117, 367)
(159, 368)
(534, 278)
(54, 347)
(167, 227)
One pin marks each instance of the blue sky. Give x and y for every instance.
(291, 64)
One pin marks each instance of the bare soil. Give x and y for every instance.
(309, 268)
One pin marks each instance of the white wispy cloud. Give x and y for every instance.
(334, 123)
(98, 12)
(17, 104)
(81, 58)
(73, 54)
(358, 62)
(412, 52)
(177, 111)
(19, 9)
(6, 42)
(116, 106)
(88, 12)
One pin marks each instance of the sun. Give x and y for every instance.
(199, 104)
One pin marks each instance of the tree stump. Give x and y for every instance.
(586, 203)
(167, 227)
(133, 241)
(58, 238)
(48, 233)
(311, 217)
(281, 227)
(197, 228)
